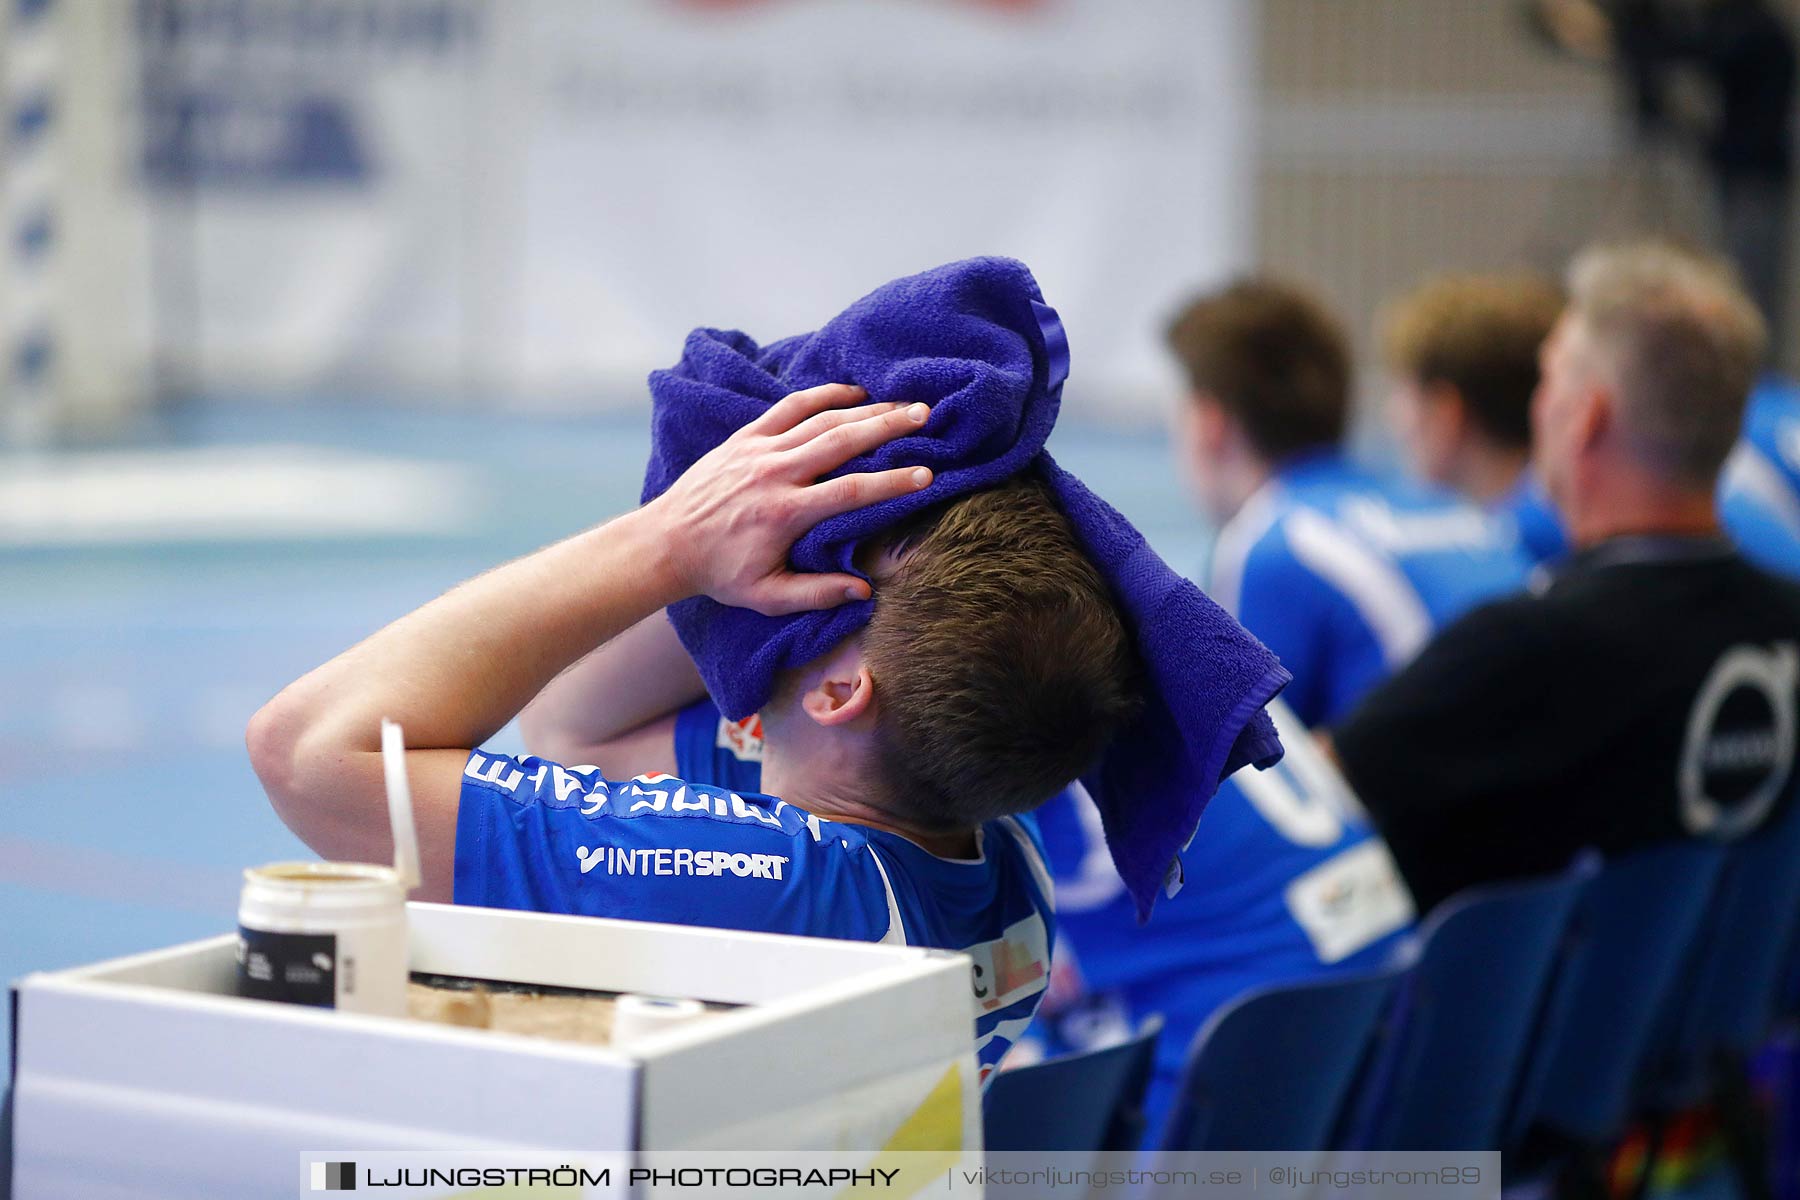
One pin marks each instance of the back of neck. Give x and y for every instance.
(1642, 511)
(945, 843)
(1488, 474)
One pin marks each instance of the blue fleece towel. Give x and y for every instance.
(976, 341)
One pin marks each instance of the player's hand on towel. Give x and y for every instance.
(735, 514)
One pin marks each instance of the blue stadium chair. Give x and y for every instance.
(1735, 974)
(1089, 1102)
(1725, 997)
(1462, 1021)
(1632, 933)
(1270, 1069)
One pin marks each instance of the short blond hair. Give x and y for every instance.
(1479, 334)
(1685, 343)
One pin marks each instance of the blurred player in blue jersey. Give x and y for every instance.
(1462, 351)
(1343, 572)
(1284, 881)
(854, 835)
(1759, 490)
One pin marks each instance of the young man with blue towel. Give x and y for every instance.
(939, 627)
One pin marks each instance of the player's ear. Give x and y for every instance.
(1205, 424)
(1599, 410)
(843, 692)
(1449, 410)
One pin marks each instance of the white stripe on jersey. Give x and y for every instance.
(1007, 1031)
(896, 930)
(1381, 595)
(1029, 851)
(1231, 549)
(1096, 880)
(1748, 471)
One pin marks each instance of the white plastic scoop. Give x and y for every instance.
(400, 809)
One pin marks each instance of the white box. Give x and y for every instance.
(147, 1077)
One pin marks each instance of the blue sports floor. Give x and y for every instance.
(131, 655)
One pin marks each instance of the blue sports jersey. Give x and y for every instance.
(707, 849)
(1285, 880)
(1759, 490)
(1533, 520)
(1345, 574)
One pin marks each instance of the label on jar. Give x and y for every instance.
(298, 968)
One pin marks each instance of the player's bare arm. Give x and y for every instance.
(615, 709)
(453, 672)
